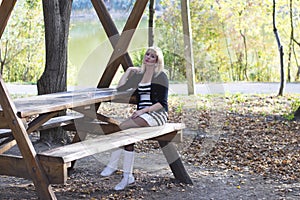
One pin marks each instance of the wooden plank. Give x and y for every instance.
(5, 12)
(52, 123)
(91, 112)
(106, 142)
(110, 30)
(64, 100)
(94, 128)
(12, 165)
(37, 122)
(57, 172)
(34, 169)
(3, 123)
(5, 133)
(60, 121)
(175, 136)
(175, 163)
(7, 146)
(123, 43)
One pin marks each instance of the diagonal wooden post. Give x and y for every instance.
(175, 162)
(121, 46)
(188, 50)
(110, 29)
(5, 11)
(26, 148)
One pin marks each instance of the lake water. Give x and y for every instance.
(90, 49)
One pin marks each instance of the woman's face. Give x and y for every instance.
(150, 57)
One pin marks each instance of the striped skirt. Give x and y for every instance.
(155, 118)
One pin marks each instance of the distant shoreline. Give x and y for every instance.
(90, 14)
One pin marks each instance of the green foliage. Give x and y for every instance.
(23, 40)
(170, 40)
(232, 40)
(294, 106)
(138, 57)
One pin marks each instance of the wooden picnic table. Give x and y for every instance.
(55, 163)
(50, 167)
(42, 108)
(48, 103)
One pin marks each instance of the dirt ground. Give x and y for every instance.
(154, 180)
(243, 151)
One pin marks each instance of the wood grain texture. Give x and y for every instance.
(103, 143)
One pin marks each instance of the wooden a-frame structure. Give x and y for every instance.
(50, 167)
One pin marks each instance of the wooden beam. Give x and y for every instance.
(3, 123)
(103, 143)
(37, 122)
(5, 133)
(110, 29)
(175, 163)
(11, 165)
(5, 11)
(91, 113)
(57, 172)
(7, 146)
(123, 43)
(34, 168)
(175, 136)
(188, 50)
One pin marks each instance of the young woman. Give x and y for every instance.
(151, 85)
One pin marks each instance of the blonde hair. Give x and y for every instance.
(160, 60)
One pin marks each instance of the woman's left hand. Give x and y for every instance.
(137, 113)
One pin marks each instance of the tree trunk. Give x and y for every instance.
(280, 48)
(291, 43)
(297, 114)
(151, 23)
(54, 78)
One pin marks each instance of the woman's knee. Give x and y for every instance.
(125, 125)
(133, 123)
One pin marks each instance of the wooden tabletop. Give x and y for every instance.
(64, 100)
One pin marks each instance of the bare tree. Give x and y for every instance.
(291, 43)
(3, 58)
(280, 48)
(151, 23)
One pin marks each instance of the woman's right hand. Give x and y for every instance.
(128, 73)
(133, 70)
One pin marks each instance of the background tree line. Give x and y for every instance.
(233, 40)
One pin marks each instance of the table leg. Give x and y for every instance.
(175, 162)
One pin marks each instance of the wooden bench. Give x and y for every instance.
(7, 139)
(57, 161)
(54, 122)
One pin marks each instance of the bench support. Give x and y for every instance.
(175, 163)
(34, 168)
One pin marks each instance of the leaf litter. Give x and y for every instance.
(238, 146)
